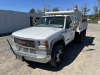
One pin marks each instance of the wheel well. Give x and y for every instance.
(61, 42)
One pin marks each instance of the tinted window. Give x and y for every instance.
(68, 22)
(51, 22)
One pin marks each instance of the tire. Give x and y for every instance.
(57, 55)
(78, 37)
(84, 35)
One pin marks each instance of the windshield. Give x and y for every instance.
(57, 22)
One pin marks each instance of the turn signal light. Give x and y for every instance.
(46, 44)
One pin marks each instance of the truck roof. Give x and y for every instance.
(70, 12)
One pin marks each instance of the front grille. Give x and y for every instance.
(26, 43)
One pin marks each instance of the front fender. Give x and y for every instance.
(55, 41)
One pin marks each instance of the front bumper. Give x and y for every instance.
(32, 57)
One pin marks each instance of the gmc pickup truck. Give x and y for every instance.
(46, 40)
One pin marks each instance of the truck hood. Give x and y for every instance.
(36, 32)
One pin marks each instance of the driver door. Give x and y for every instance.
(69, 31)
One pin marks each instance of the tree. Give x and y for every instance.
(55, 9)
(85, 9)
(98, 6)
(32, 10)
(39, 12)
(96, 12)
(98, 0)
(47, 7)
(95, 9)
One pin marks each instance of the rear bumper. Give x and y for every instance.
(32, 57)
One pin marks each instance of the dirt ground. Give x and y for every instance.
(79, 59)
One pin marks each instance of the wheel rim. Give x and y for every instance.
(59, 55)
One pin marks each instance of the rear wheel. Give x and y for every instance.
(57, 55)
(79, 37)
(84, 34)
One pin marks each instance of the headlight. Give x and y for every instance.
(42, 45)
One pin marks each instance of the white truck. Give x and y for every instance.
(46, 40)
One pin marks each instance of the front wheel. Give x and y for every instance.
(57, 55)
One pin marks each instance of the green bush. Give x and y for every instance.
(93, 21)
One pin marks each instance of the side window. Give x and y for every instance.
(68, 22)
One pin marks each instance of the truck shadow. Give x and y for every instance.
(71, 53)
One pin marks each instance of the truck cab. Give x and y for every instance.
(46, 40)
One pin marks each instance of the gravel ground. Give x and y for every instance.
(79, 59)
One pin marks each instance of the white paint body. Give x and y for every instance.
(50, 33)
(38, 33)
